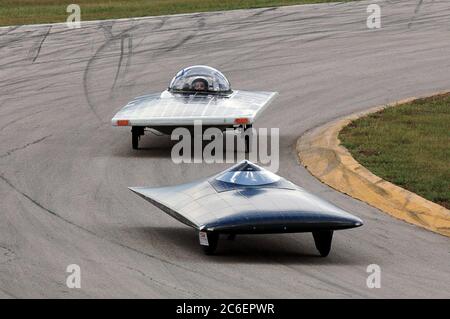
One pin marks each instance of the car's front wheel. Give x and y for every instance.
(323, 239)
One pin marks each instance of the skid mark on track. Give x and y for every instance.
(10, 29)
(23, 147)
(416, 11)
(7, 32)
(110, 37)
(6, 255)
(162, 22)
(106, 27)
(37, 46)
(8, 294)
(20, 118)
(200, 25)
(122, 53)
(27, 35)
(164, 284)
(137, 251)
(178, 44)
(261, 12)
(129, 50)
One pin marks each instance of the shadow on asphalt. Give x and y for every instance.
(253, 249)
(154, 146)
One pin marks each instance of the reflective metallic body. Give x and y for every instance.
(177, 109)
(247, 199)
(196, 93)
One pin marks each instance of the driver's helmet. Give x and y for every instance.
(200, 78)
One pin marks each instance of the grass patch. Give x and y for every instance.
(15, 12)
(408, 145)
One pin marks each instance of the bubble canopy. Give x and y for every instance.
(198, 79)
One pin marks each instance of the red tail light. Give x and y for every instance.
(241, 120)
(123, 122)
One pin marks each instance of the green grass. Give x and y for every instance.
(408, 145)
(16, 12)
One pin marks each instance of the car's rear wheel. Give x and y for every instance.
(323, 239)
(136, 132)
(248, 138)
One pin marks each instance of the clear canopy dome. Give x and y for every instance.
(200, 78)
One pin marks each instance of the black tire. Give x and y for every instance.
(247, 139)
(213, 239)
(136, 133)
(135, 140)
(323, 239)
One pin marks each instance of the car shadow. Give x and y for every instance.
(160, 146)
(155, 147)
(251, 249)
(149, 147)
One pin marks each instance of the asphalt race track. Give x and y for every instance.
(64, 171)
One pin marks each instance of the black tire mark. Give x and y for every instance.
(132, 49)
(201, 22)
(178, 44)
(7, 253)
(8, 294)
(9, 152)
(416, 11)
(34, 51)
(19, 119)
(120, 244)
(6, 42)
(200, 25)
(10, 29)
(106, 27)
(129, 54)
(95, 57)
(23, 36)
(264, 11)
(164, 284)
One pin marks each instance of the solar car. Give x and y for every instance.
(248, 199)
(197, 94)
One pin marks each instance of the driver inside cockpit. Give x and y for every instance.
(200, 84)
